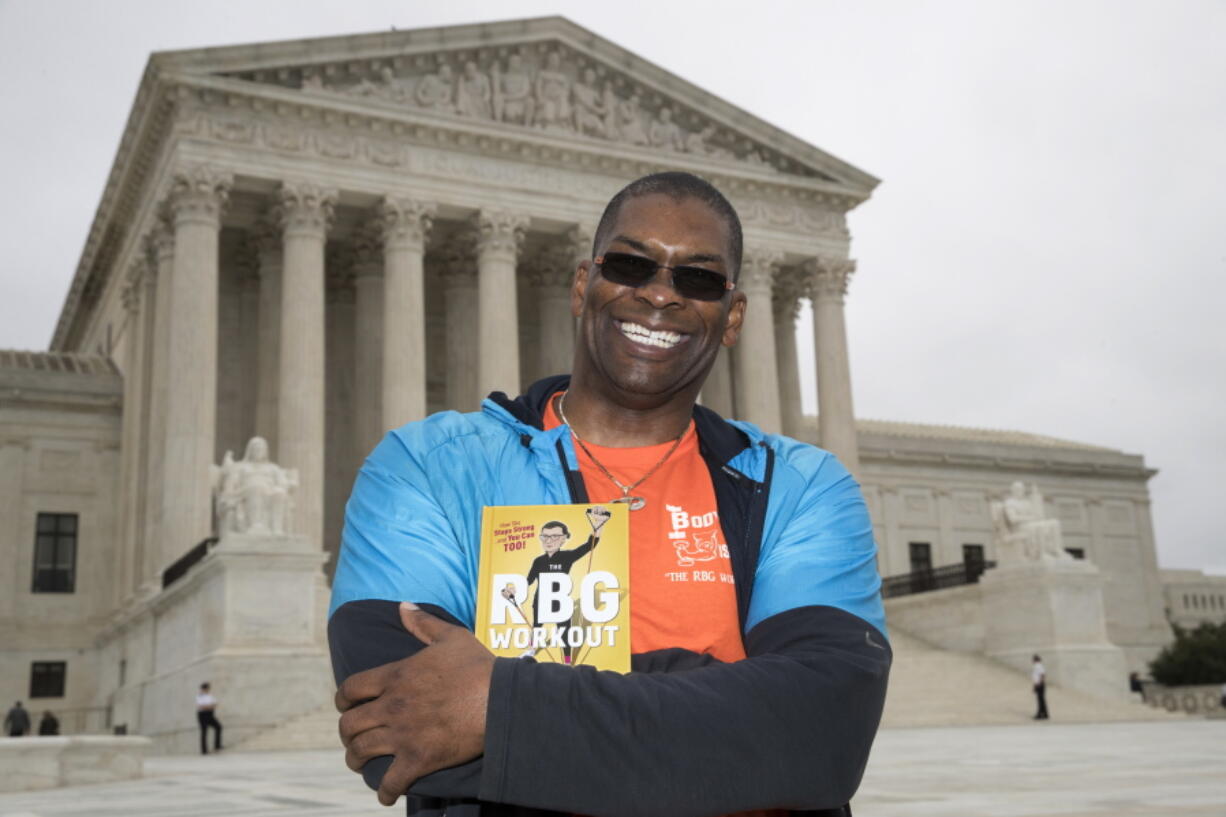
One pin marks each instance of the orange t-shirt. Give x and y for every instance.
(681, 586)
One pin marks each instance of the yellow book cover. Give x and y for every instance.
(554, 584)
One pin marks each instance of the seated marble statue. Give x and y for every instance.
(1023, 531)
(253, 495)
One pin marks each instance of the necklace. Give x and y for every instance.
(635, 502)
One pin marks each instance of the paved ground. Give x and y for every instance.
(1168, 769)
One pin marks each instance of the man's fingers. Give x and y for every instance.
(361, 686)
(396, 781)
(368, 745)
(426, 627)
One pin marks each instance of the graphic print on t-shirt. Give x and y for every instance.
(681, 581)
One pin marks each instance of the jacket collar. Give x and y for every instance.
(718, 439)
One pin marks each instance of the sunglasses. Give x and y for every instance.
(696, 283)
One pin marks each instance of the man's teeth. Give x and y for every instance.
(641, 334)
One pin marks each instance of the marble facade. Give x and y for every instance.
(315, 241)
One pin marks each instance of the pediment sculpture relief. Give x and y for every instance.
(548, 89)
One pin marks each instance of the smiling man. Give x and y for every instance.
(758, 638)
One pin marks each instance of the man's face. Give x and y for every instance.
(686, 333)
(552, 539)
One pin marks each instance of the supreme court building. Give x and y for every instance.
(316, 241)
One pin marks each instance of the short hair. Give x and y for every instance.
(205, 685)
(680, 186)
(565, 530)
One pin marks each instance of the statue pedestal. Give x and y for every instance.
(249, 619)
(1053, 608)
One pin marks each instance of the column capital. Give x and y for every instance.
(368, 250)
(457, 259)
(305, 207)
(553, 265)
(828, 276)
(758, 266)
(404, 222)
(500, 232)
(135, 277)
(160, 240)
(339, 272)
(198, 193)
(790, 287)
(246, 259)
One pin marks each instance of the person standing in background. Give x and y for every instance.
(1038, 677)
(17, 721)
(206, 705)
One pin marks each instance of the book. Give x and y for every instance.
(554, 584)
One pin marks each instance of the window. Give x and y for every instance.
(972, 554)
(1076, 553)
(55, 553)
(47, 679)
(921, 567)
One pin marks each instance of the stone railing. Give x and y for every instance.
(1202, 699)
(31, 763)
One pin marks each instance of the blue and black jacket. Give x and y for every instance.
(789, 727)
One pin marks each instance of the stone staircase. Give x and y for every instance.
(930, 686)
(313, 730)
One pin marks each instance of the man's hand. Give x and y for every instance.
(428, 710)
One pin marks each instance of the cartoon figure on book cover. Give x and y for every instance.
(554, 535)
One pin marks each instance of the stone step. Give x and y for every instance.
(930, 686)
(312, 730)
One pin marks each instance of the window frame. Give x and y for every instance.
(53, 532)
(37, 685)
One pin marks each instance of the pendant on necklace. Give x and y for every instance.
(635, 502)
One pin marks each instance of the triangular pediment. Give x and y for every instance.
(544, 75)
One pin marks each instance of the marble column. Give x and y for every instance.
(458, 265)
(785, 303)
(134, 420)
(267, 237)
(368, 342)
(501, 234)
(162, 247)
(757, 373)
(551, 277)
(305, 213)
(717, 389)
(828, 279)
(197, 198)
(405, 227)
(249, 353)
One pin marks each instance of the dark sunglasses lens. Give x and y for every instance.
(628, 270)
(699, 284)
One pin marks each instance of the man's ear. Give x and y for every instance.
(578, 287)
(736, 318)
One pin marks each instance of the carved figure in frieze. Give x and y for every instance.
(665, 133)
(590, 109)
(252, 495)
(513, 100)
(699, 142)
(436, 92)
(552, 95)
(1023, 531)
(630, 127)
(313, 82)
(474, 95)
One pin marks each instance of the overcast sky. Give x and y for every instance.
(1045, 253)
